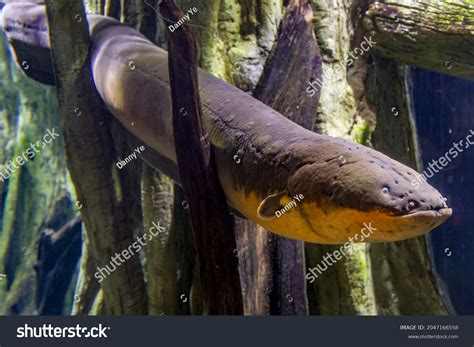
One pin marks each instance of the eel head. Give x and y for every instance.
(349, 187)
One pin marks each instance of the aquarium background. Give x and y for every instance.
(444, 114)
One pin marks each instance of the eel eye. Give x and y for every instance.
(385, 190)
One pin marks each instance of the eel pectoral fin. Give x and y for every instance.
(271, 204)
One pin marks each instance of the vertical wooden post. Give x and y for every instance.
(210, 218)
(90, 156)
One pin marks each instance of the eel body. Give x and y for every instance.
(289, 180)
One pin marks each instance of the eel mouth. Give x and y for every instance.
(430, 218)
(419, 222)
(439, 212)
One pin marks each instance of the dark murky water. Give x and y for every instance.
(445, 114)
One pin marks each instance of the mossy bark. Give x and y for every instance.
(434, 35)
(235, 37)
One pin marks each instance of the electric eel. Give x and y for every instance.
(289, 180)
